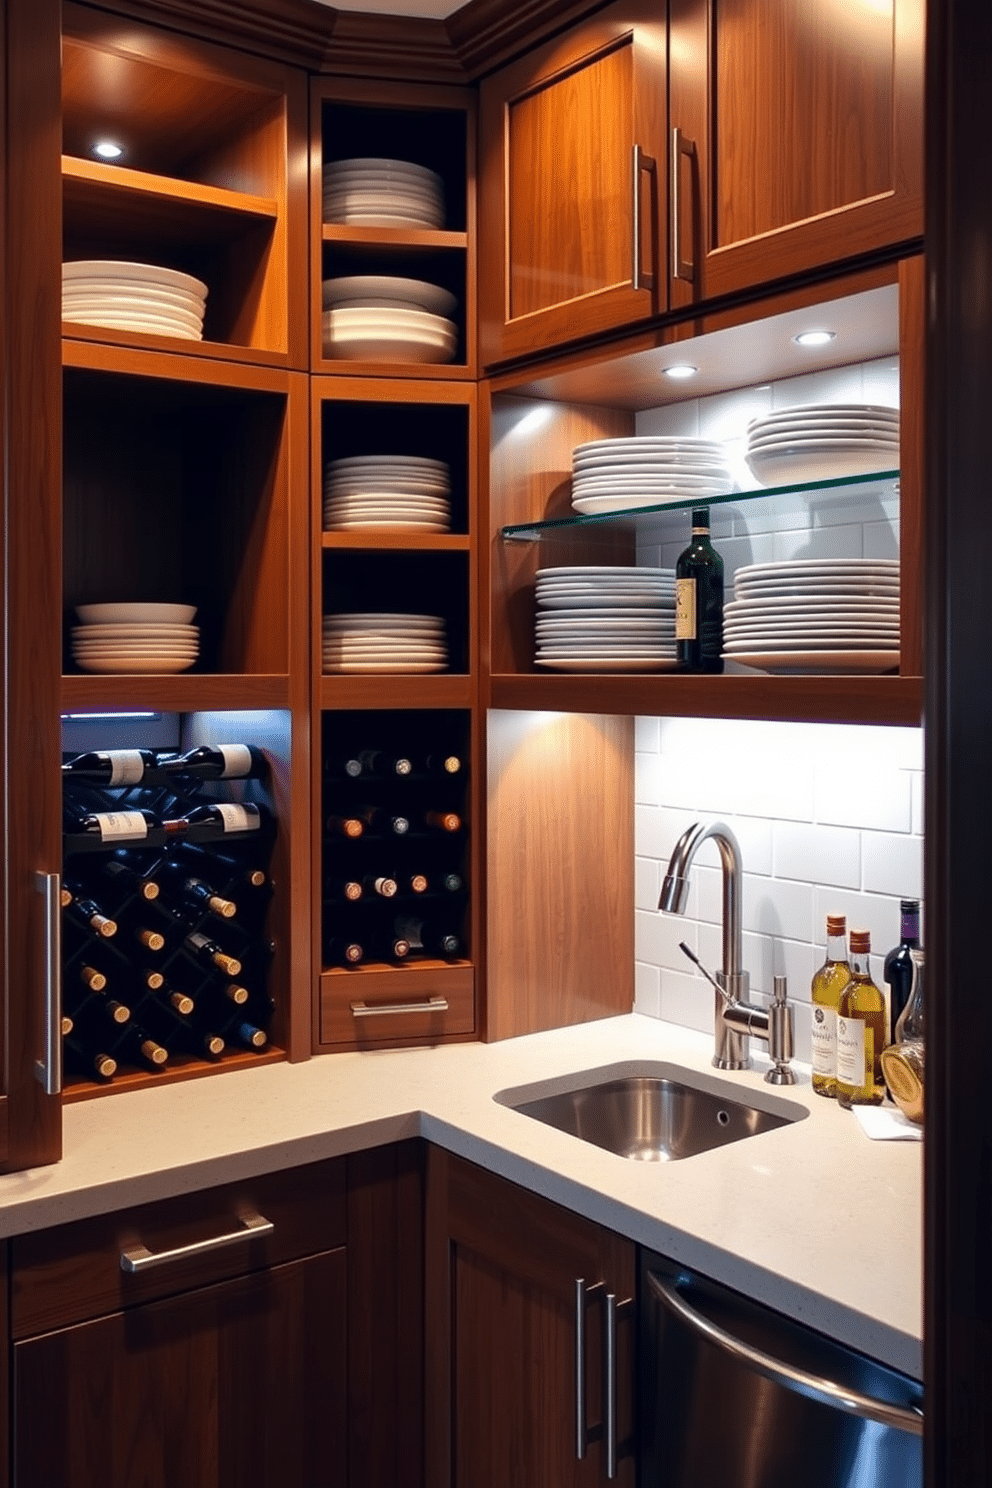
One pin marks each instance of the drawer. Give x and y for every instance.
(66, 1275)
(373, 1006)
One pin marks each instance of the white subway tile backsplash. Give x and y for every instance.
(877, 913)
(878, 799)
(658, 937)
(647, 990)
(827, 855)
(687, 999)
(892, 865)
(916, 787)
(778, 908)
(647, 883)
(647, 734)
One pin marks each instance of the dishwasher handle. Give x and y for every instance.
(828, 1392)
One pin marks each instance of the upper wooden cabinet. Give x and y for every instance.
(572, 173)
(796, 137)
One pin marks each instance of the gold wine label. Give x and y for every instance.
(685, 609)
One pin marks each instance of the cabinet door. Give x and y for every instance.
(502, 1387)
(240, 1385)
(572, 173)
(797, 136)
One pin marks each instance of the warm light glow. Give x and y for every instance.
(108, 149)
(680, 370)
(814, 338)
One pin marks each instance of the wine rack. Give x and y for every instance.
(175, 967)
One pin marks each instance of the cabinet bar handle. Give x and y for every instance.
(640, 162)
(583, 1436)
(827, 1391)
(392, 1009)
(48, 1069)
(140, 1258)
(682, 268)
(610, 1383)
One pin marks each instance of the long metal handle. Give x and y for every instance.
(391, 1009)
(828, 1392)
(583, 1434)
(639, 162)
(48, 1069)
(682, 268)
(140, 1258)
(610, 1385)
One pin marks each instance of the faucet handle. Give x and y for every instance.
(781, 1035)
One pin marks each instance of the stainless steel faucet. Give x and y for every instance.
(734, 1018)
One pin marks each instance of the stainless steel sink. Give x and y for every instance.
(652, 1112)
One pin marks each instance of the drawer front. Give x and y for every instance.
(398, 1005)
(66, 1275)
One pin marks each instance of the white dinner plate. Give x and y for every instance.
(592, 506)
(557, 624)
(348, 511)
(379, 667)
(813, 663)
(344, 343)
(661, 443)
(386, 163)
(356, 218)
(132, 323)
(379, 494)
(381, 196)
(357, 524)
(120, 270)
(706, 464)
(139, 643)
(783, 470)
(380, 617)
(608, 664)
(789, 606)
(400, 485)
(149, 664)
(827, 410)
(137, 628)
(385, 653)
(807, 644)
(623, 616)
(622, 570)
(416, 293)
(172, 322)
(789, 566)
(636, 480)
(366, 462)
(774, 445)
(139, 611)
(850, 635)
(405, 319)
(138, 297)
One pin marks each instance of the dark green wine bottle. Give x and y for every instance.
(699, 601)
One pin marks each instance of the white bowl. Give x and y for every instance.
(140, 612)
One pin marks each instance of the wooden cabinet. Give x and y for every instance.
(572, 184)
(796, 137)
(513, 1284)
(224, 1366)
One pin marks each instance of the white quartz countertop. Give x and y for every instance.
(812, 1218)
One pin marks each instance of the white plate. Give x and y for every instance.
(171, 321)
(139, 643)
(378, 494)
(783, 470)
(853, 433)
(604, 624)
(364, 287)
(149, 294)
(138, 611)
(139, 299)
(371, 511)
(343, 343)
(355, 218)
(782, 566)
(378, 667)
(775, 445)
(591, 506)
(632, 483)
(381, 196)
(662, 443)
(122, 271)
(381, 617)
(797, 635)
(404, 319)
(827, 410)
(365, 462)
(806, 643)
(611, 664)
(623, 616)
(357, 524)
(634, 459)
(385, 163)
(385, 653)
(149, 664)
(396, 489)
(790, 606)
(145, 327)
(813, 663)
(623, 570)
(162, 629)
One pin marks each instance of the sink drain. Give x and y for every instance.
(723, 1118)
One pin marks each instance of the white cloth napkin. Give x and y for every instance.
(887, 1124)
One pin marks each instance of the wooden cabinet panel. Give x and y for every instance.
(560, 175)
(396, 1005)
(801, 125)
(502, 1267)
(237, 1384)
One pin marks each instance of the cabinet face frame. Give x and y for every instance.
(606, 40)
(892, 215)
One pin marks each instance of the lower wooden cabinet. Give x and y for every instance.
(506, 1398)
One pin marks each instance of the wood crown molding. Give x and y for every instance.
(486, 34)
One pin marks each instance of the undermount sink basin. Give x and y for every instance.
(652, 1112)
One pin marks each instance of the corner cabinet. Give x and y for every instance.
(530, 1353)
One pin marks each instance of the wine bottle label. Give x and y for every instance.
(854, 1049)
(235, 818)
(237, 761)
(824, 1029)
(685, 609)
(115, 826)
(126, 766)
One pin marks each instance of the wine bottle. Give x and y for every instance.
(337, 889)
(897, 968)
(110, 767)
(177, 1032)
(699, 601)
(452, 883)
(132, 825)
(218, 762)
(379, 885)
(208, 951)
(413, 883)
(390, 947)
(427, 935)
(904, 1061)
(828, 983)
(861, 1030)
(195, 893)
(87, 916)
(92, 979)
(363, 819)
(137, 1046)
(442, 821)
(230, 817)
(126, 878)
(249, 1035)
(221, 866)
(148, 938)
(368, 764)
(442, 764)
(79, 1059)
(340, 951)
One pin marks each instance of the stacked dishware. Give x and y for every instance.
(822, 442)
(135, 638)
(372, 192)
(810, 615)
(408, 491)
(371, 642)
(606, 619)
(617, 474)
(381, 317)
(133, 297)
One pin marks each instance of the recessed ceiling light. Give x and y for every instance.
(814, 338)
(108, 149)
(680, 370)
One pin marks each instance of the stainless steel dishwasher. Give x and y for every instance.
(733, 1395)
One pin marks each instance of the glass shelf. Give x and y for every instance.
(777, 501)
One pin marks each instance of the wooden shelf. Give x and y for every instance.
(397, 690)
(128, 342)
(184, 693)
(888, 700)
(374, 540)
(180, 1067)
(401, 238)
(157, 204)
(435, 371)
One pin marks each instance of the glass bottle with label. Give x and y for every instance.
(861, 1031)
(699, 601)
(828, 983)
(897, 969)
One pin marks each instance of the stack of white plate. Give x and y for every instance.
(810, 615)
(135, 638)
(133, 297)
(387, 491)
(380, 317)
(384, 643)
(605, 619)
(616, 474)
(822, 442)
(372, 192)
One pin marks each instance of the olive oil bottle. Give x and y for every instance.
(828, 983)
(861, 1031)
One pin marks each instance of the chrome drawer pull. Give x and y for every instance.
(824, 1390)
(392, 1009)
(583, 1434)
(140, 1258)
